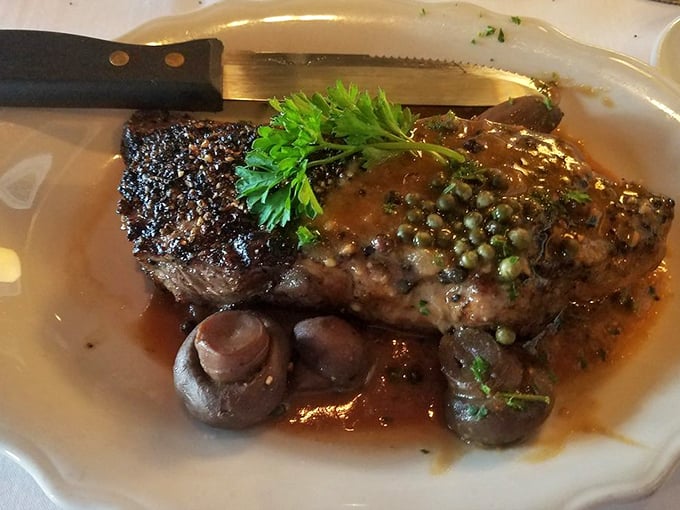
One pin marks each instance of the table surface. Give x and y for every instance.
(631, 27)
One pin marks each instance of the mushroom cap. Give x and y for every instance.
(233, 405)
(332, 348)
(496, 394)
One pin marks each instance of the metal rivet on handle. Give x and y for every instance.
(119, 58)
(174, 59)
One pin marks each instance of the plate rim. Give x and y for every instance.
(58, 492)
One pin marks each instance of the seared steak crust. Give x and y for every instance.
(434, 261)
(189, 231)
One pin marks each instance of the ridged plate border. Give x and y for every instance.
(143, 452)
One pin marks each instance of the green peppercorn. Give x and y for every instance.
(434, 221)
(520, 238)
(498, 180)
(486, 251)
(463, 190)
(422, 239)
(505, 335)
(415, 215)
(428, 206)
(476, 236)
(461, 246)
(439, 181)
(485, 199)
(502, 212)
(412, 199)
(446, 202)
(472, 220)
(405, 232)
(510, 268)
(469, 259)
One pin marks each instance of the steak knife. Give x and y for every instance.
(49, 69)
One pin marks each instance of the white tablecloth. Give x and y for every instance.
(628, 26)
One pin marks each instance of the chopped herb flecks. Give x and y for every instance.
(578, 196)
(488, 31)
(501, 35)
(514, 399)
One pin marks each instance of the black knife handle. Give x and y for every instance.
(49, 69)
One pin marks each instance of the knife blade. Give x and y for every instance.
(49, 69)
(259, 76)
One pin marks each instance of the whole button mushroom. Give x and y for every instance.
(333, 350)
(497, 395)
(232, 369)
(537, 113)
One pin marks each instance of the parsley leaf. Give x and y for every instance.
(580, 197)
(477, 413)
(480, 368)
(307, 236)
(488, 31)
(310, 131)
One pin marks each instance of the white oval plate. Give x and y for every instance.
(92, 414)
(666, 54)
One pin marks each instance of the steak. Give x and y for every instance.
(510, 237)
(189, 232)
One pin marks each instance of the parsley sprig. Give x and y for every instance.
(310, 131)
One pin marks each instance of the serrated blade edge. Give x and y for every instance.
(254, 76)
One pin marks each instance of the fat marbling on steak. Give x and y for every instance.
(510, 237)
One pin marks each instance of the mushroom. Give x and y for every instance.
(537, 113)
(332, 354)
(231, 370)
(497, 395)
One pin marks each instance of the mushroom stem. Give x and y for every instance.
(232, 346)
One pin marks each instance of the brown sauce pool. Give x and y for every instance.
(402, 401)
